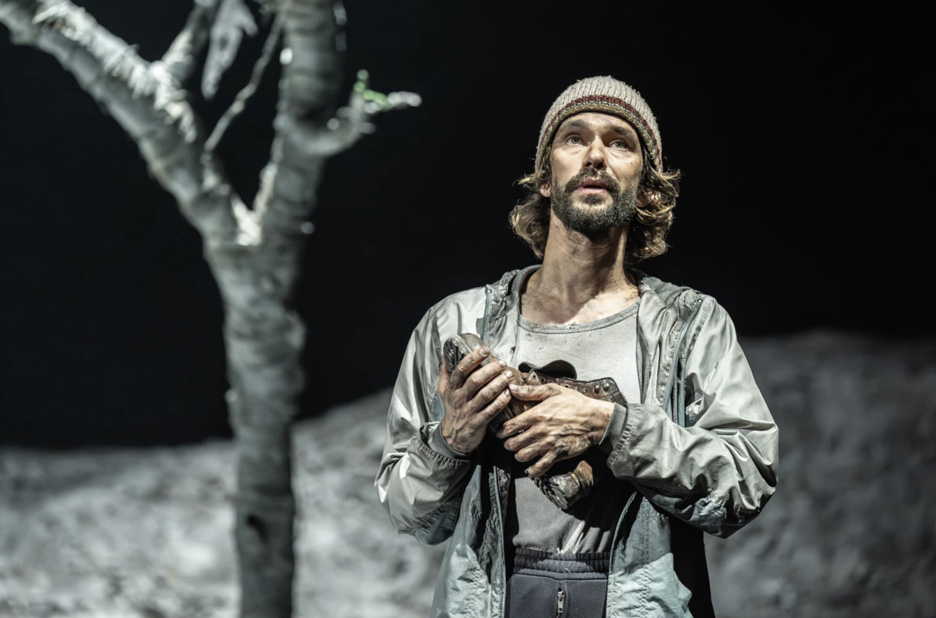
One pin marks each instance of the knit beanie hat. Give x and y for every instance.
(608, 96)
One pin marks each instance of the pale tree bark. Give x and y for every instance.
(254, 253)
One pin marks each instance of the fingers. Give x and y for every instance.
(476, 366)
(467, 364)
(527, 419)
(494, 408)
(476, 386)
(516, 425)
(443, 377)
(543, 465)
(534, 393)
(490, 384)
(521, 437)
(487, 381)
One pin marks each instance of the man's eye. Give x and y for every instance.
(573, 139)
(620, 144)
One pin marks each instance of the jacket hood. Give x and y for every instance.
(505, 293)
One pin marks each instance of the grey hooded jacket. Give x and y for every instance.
(700, 447)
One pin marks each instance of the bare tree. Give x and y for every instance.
(254, 252)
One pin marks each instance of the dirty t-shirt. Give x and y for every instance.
(600, 349)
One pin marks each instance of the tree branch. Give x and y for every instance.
(232, 22)
(181, 59)
(354, 120)
(240, 102)
(306, 132)
(145, 100)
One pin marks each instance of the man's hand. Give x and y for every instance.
(472, 397)
(563, 424)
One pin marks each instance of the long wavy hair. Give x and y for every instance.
(646, 237)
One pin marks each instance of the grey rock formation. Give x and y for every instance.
(851, 530)
(147, 533)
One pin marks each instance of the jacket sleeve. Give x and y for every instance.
(420, 487)
(719, 471)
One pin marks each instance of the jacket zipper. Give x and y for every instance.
(617, 529)
(503, 541)
(669, 387)
(560, 602)
(488, 294)
(497, 499)
(673, 367)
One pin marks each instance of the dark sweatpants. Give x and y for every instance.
(543, 585)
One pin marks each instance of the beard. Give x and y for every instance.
(591, 221)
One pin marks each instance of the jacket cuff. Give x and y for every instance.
(438, 444)
(615, 427)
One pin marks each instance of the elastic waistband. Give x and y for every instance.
(537, 562)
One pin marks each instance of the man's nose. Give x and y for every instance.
(595, 155)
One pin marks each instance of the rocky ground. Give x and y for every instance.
(146, 533)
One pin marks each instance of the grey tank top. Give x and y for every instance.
(600, 349)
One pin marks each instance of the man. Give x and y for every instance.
(692, 447)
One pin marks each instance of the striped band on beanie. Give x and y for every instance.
(606, 95)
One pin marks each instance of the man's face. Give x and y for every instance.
(596, 162)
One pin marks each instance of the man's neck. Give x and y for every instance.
(582, 279)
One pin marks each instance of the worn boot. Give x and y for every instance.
(562, 489)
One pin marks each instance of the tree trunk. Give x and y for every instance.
(254, 253)
(264, 343)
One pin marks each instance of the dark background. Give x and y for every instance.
(804, 137)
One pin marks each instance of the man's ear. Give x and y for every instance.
(545, 190)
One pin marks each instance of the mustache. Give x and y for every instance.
(611, 185)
